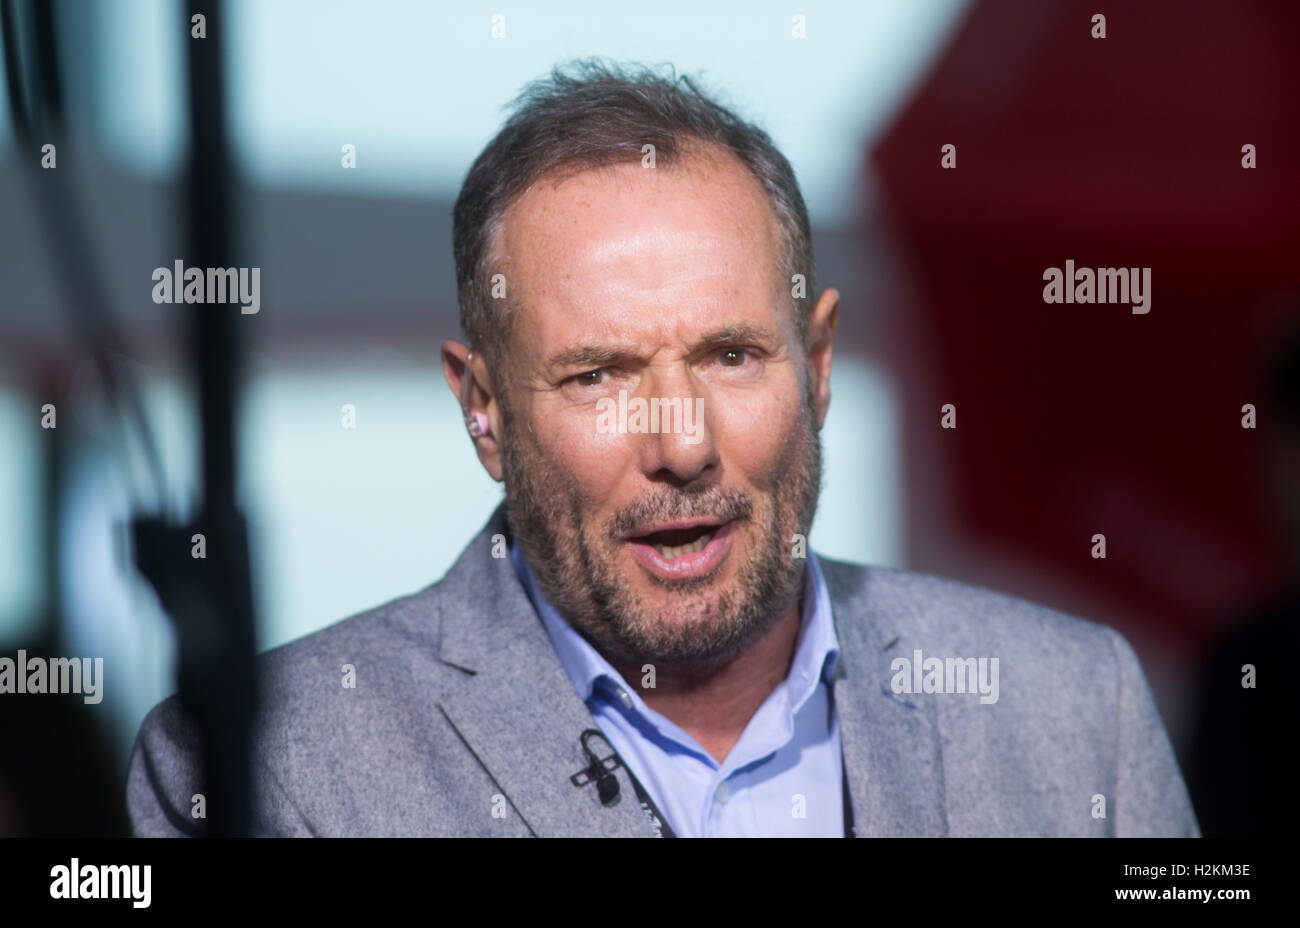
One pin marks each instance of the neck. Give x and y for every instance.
(714, 706)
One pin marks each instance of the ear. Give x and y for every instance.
(469, 382)
(821, 330)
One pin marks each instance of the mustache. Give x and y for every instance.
(673, 505)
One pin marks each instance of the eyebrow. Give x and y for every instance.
(600, 355)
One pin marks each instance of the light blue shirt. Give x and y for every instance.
(782, 779)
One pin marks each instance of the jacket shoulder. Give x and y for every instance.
(1070, 723)
(332, 703)
(950, 614)
(381, 640)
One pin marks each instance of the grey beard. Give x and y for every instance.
(574, 568)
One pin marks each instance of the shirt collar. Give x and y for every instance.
(816, 655)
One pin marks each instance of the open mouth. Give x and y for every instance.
(673, 544)
(683, 549)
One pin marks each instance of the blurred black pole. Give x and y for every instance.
(210, 241)
(216, 674)
(210, 598)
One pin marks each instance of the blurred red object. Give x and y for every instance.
(1077, 419)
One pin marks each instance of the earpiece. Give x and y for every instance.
(476, 422)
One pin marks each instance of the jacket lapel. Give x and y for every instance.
(516, 709)
(891, 742)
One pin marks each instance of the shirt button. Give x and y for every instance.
(723, 792)
(627, 700)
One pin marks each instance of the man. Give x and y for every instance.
(639, 641)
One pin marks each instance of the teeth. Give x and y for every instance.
(694, 547)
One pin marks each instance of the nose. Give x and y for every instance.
(678, 444)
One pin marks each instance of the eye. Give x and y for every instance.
(732, 357)
(589, 378)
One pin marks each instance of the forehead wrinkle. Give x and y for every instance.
(601, 353)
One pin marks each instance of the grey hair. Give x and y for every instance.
(589, 114)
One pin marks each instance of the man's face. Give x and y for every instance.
(672, 546)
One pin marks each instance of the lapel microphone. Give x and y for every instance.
(597, 769)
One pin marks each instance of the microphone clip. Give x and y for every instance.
(599, 769)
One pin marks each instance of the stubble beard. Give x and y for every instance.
(703, 625)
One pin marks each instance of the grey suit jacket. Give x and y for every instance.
(463, 722)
